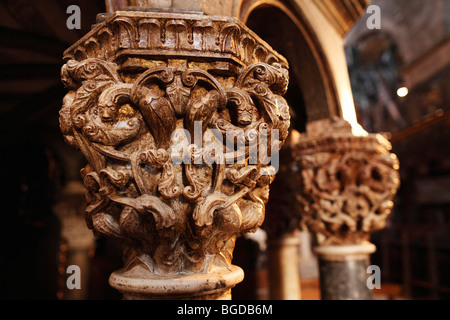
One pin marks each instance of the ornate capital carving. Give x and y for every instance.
(153, 35)
(158, 104)
(346, 182)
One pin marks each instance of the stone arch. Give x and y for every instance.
(312, 94)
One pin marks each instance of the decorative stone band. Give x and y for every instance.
(342, 143)
(173, 35)
(345, 252)
(347, 182)
(215, 285)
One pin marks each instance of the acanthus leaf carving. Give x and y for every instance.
(175, 217)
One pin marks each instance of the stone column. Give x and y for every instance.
(343, 271)
(79, 239)
(283, 266)
(346, 184)
(283, 240)
(178, 115)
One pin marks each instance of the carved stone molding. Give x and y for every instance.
(346, 182)
(155, 34)
(134, 81)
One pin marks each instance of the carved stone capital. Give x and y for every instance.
(346, 182)
(212, 40)
(167, 109)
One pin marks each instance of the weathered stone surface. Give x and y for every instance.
(346, 182)
(339, 186)
(156, 35)
(134, 82)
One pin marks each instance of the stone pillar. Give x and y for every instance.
(346, 184)
(79, 239)
(283, 237)
(343, 271)
(178, 115)
(283, 265)
(283, 241)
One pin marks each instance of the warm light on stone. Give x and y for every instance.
(133, 80)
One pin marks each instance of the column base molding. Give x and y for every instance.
(346, 252)
(214, 285)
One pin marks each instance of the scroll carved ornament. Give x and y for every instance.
(347, 182)
(176, 213)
